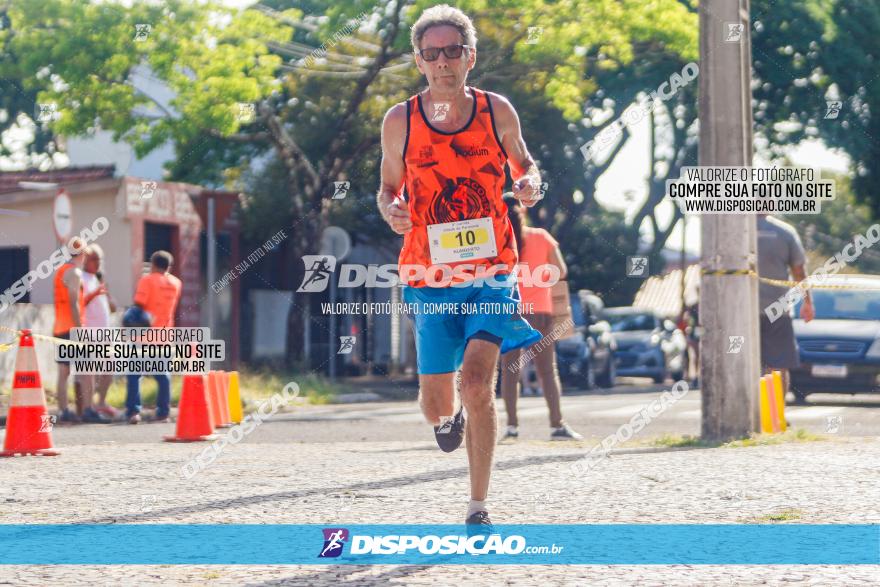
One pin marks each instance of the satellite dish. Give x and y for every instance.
(62, 216)
(335, 241)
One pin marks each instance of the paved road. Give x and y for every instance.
(377, 463)
(594, 414)
(344, 483)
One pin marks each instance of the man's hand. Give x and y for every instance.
(397, 216)
(527, 190)
(102, 290)
(807, 310)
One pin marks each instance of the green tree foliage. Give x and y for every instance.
(807, 53)
(825, 234)
(317, 114)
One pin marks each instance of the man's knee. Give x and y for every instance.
(437, 400)
(430, 410)
(477, 388)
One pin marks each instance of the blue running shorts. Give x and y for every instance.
(444, 319)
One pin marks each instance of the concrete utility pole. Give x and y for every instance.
(728, 303)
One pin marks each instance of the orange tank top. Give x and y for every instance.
(450, 177)
(63, 312)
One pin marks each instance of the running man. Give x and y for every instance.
(448, 146)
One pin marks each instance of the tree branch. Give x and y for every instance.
(291, 154)
(360, 90)
(256, 137)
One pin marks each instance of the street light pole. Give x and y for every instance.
(729, 302)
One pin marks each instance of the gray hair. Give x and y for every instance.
(94, 249)
(440, 15)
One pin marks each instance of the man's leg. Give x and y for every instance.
(478, 396)
(103, 382)
(437, 396)
(510, 370)
(545, 366)
(548, 375)
(163, 399)
(61, 388)
(132, 395)
(85, 390)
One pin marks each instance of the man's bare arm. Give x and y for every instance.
(393, 171)
(72, 283)
(523, 170)
(799, 272)
(556, 259)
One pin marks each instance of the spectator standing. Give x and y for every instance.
(98, 307)
(780, 252)
(69, 307)
(535, 247)
(158, 294)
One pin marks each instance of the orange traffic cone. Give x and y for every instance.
(28, 426)
(223, 392)
(213, 400)
(193, 415)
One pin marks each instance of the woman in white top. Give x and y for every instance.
(99, 305)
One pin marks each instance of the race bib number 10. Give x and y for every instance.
(462, 240)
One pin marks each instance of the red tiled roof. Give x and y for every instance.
(9, 179)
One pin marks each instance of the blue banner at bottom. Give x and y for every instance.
(564, 544)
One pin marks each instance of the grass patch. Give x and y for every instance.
(255, 385)
(260, 384)
(149, 391)
(787, 515)
(799, 435)
(678, 441)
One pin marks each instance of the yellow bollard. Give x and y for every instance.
(235, 411)
(764, 398)
(771, 399)
(780, 399)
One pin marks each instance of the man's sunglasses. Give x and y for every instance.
(451, 52)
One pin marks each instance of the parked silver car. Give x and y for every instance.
(586, 359)
(647, 344)
(840, 348)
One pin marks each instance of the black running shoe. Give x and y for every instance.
(450, 433)
(479, 524)
(91, 416)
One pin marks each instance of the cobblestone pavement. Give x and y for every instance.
(836, 481)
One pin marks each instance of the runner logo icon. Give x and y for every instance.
(318, 270)
(334, 540)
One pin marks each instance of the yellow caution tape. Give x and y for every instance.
(55, 340)
(728, 272)
(785, 282)
(51, 339)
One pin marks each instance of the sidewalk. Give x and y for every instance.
(834, 481)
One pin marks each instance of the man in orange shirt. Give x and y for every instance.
(157, 293)
(68, 314)
(446, 149)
